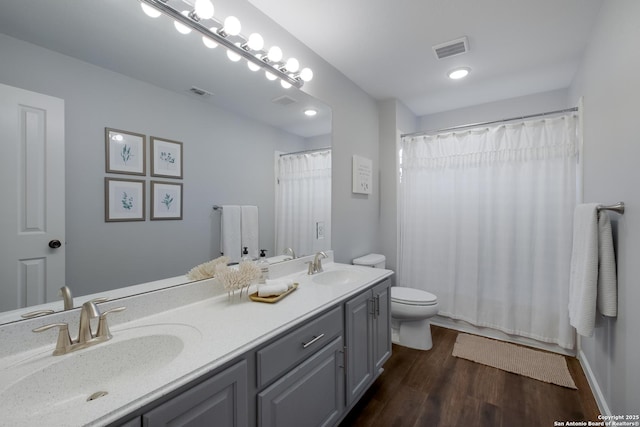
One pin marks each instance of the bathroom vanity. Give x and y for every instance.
(305, 360)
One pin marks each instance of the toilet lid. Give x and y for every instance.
(412, 296)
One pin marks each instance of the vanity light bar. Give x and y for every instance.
(193, 22)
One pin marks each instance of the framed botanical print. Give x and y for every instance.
(166, 158)
(166, 200)
(125, 152)
(124, 200)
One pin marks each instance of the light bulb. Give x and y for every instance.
(306, 74)
(292, 65)
(285, 84)
(270, 76)
(182, 29)
(233, 56)
(232, 26)
(208, 42)
(255, 42)
(459, 73)
(275, 54)
(149, 11)
(252, 66)
(310, 112)
(204, 9)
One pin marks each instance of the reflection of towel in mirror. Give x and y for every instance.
(593, 272)
(230, 234)
(249, 230)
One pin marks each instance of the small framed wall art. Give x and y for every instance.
(166, 158)
(125, 152)
(362, 175)
(166, 200)
(124, 200)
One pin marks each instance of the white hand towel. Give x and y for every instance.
(279, 282)
(607, 281)
(250, 230)
(230, 233)
(583, 277)
(272, 290)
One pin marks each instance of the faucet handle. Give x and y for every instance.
(103, 326)
(64, 339)
(311, 269)
(99, 300)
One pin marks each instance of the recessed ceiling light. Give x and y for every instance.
(459, 73)
(310, 112)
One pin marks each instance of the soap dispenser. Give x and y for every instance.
(263, 264)
(245, 255)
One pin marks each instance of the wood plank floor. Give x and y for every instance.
(433, 388)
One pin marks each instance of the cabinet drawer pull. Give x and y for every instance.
(377, 306)
(305, 345)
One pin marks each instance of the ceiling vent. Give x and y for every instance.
(199, 92)
(452, 48)
(283, 100)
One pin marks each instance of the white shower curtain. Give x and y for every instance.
(486, 224)
(303, 202)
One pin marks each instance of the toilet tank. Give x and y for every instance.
(371, 260)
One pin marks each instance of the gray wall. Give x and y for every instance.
(608, 82)
(228, 159)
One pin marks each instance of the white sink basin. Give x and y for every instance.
(337, 277)
(113, 366)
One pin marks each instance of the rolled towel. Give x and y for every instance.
(272, 290)
(279, 282)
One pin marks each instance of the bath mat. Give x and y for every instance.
(539, 365)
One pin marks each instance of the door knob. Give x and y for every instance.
(54, 244)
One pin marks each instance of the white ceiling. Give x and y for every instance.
(517, 47)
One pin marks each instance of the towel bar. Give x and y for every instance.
(618, 208)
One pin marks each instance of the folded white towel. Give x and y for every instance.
(249, 230)
(592, 277)
(230, 236)
(272, 290)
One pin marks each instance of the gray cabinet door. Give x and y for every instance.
(311, 394)
(219, 401)
(382, 324)
(359, 341)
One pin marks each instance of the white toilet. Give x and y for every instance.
(411, 310)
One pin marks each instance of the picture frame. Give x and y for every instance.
(124, 200)
(166, 158)
(125, 152)
(166, 200)
(362, 180)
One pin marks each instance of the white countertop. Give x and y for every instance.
(218, 330)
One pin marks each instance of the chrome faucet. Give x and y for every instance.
(315, 266)
(86, 337)
(289, 251)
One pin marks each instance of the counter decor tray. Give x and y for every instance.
(271, 299)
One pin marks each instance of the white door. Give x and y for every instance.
(32, 267)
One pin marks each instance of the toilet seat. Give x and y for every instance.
(411, 296)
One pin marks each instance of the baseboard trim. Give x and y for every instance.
(593, 383)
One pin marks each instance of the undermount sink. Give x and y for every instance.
(76, 378)
(337, 277)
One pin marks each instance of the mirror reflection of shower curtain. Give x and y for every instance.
(303, 202)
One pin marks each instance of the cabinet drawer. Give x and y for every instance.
(286, 352)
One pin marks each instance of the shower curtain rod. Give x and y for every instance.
(530, 116)
(306, 151)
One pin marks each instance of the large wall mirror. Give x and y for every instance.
(116, 68)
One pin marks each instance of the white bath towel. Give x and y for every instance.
(230, 233)
(250, 231)
(590, 246)
(607, 280)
